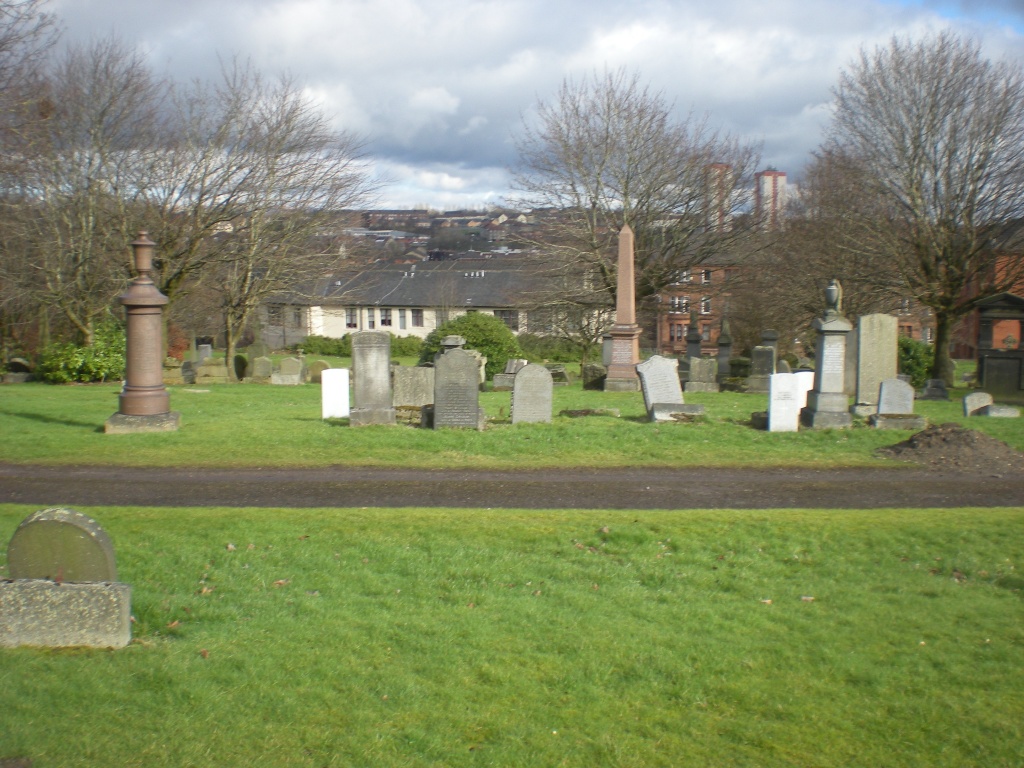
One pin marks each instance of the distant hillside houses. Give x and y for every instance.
(412, 298)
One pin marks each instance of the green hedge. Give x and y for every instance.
(103, 361)
(485, 333)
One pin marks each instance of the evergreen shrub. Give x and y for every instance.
(915, 360)
(485, 333)
(63, 363)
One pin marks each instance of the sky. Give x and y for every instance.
(441, 89)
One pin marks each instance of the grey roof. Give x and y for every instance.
(491, 283)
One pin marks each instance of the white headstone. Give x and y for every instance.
(335, 402)
(785, 401)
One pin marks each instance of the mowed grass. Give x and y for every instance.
(412, 637)
(262, 425)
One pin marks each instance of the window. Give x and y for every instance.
(296, 318)
(401, 319)
(705, 306)
(417, 318)
(351, 318)
(274, 314)
(705, 276)
(683, 276)
(705, 334)
(371, 315)
(509, 317)
(385, 318)
(680, 303)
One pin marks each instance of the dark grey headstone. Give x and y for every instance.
(762, 366)
(532, 395)
(456, 390)
(60, 544)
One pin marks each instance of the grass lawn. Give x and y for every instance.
(261, 425)
(412, 637)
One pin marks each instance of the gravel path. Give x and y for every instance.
(621, 488)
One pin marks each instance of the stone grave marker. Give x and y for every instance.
(785, 401)
(559, 374)
(975, 401)
(532, 396)
(876, 359)
(334, 394)
(703, 375)
(663, 395)
(211, 371)
(593, 376)
(828, 405)
(457, 391)
(316, 370)
(289, 372)
(503, 382)
(762, 366)
(63, 589)
(413, 386)
(515, 364)
(262, 370)
(896, 407)
(934, 389)
(372, 398)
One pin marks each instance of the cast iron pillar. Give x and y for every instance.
(144, 403)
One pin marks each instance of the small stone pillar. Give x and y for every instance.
(625, 352)
(144, 403)
(694, 338)
(828, 403)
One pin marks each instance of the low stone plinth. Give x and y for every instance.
(363, 417)
(503, 382)
(863, 410)
(673, 411)
(123, 424)
(57, 615)
(1000, 411)
(898, 421)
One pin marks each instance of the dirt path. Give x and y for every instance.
(579, 489)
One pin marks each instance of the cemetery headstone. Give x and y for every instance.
(63, 589)
(703, 375)
(975, 401)
(762, 366)
(262, 370)
(896, 407)
(694, 338)
(289, 372)
(212, 371)
(503, 382)
(934, 389)
(334, 394)
(559, 374)
(532, 395)
(413, 386)
(203, 351)
(876, 359)
(372, 397)
(456, 391)
(515, 364)
(724, 350)
(316, 370)
(787, 396)
(593, 376)
(663, 395)
(827, 403)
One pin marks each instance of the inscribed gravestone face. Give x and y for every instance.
(762, 365)
(659, 380)
(262, 369)
(785, 401)
(289, 372)
(61, 545)
(532, 394)
(895, 397)
(456, 390)
(316, 370)
(703, 375)
(413, 386)
(334, 394)
(372, 398)
(877, 355)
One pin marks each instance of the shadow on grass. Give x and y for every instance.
(51, 420)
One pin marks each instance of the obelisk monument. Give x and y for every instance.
(622, 375)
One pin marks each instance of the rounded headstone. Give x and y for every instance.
(60, 544)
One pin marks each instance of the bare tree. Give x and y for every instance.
(936, 133)
(606, 151)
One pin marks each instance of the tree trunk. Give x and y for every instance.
(230, 343)
(942, 366)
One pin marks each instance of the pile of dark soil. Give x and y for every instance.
(953, 448)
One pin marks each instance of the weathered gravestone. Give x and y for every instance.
(413, 386)
(316, 370)
(262, 370)
(457, 391)
(532, 395)
(876, 359)
(934, 389)
(334, 394)
(213, 370)
(896, 407)
(203, 351)
(975, 401)
(63, 589)
(982, 404)
(762, 366)
(703, 375)
(559, 374)
(724, 349)
(290, 372)
(372, 398)
(593, 375)
(663, 395)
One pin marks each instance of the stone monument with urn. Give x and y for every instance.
(827, 403)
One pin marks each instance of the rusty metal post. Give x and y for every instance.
(145, 405)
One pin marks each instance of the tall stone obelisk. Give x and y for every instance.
(622, 375)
